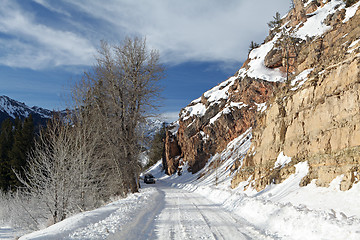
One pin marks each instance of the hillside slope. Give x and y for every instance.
(298, 92)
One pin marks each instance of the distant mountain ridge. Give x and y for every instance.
(10, 108)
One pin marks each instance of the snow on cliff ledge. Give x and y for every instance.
(314, 27)
(213, 96)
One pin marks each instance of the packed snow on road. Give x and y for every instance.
(159, 211)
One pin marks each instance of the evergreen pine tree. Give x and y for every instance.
(23, 142)
(157, 146)
(276, 22)
(6, 143)
(253, 45)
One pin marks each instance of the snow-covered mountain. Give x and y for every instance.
(10, 108)
(153, 125)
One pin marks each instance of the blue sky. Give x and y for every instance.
(46, 45)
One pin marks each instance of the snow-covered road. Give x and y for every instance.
(159, 211)
(179, 214)
(190, 208)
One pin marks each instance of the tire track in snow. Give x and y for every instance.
(216, 220)
(178, 214)
(207, 221)
(142, 226)
(235, 224)
(190, 216)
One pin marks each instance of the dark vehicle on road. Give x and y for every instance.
(149, 178)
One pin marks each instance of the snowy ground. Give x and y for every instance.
(193, 207)
(7, 232)
(102, 222)
(284, 211)
(158, 212)
(189, 208)
(187, 215)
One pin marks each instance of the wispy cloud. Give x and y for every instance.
(202, 30)
(34, 45)
(56, 9)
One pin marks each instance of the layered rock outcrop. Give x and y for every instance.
(172, 152)
(318, 122)
(202, 136)
(209, 123)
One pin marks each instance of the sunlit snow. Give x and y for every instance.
(350, 12)
(315, 26)
(282, 160)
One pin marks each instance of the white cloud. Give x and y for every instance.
(169, 116)
(202, 30)
(47, 5)
(33, 45)
(188, 30)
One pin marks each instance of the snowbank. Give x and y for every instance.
(101, 222)
(257, 68)
(285, 210)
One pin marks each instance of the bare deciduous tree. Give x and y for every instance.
(118, 94)
(93, 153)
(61, 173)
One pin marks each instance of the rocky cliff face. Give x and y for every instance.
(298, 91)
(200, 137)
(210, 122)
(316, 117)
